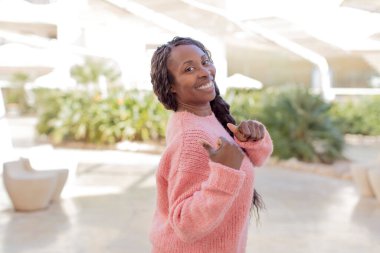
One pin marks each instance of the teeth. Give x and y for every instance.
(206, 86)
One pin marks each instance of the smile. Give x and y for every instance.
(206, 86)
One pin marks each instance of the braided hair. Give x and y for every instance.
(162, 79)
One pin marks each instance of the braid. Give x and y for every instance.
(161, 77)
(221, 110)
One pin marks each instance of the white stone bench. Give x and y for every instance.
(366, 178)
(374, 179)
(30, 189)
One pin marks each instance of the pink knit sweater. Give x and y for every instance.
(203, 206)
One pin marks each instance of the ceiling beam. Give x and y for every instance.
(179, 29)
(250, 27)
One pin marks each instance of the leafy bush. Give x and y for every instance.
(298, 122)
(92, 69)
(245, 103)
(358, 116)
(15, 95)
(78, 116)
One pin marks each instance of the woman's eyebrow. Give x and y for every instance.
(191, 61)
(204, 56)
(187, 62)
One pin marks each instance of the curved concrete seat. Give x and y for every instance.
(31, 189)
(61, 174)
(374, 178)
(361, 180)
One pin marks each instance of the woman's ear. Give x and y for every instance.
(172, 88)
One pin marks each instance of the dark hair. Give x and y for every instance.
(162, 79)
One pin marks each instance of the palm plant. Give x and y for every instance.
(301, 126)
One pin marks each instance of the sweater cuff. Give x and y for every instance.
(225, 178)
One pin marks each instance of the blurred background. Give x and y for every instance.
(76, 94)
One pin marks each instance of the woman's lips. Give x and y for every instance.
(206, 86)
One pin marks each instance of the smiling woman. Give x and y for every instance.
(205, 179)
(193, 79)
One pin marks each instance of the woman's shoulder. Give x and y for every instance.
(187, 137)
(185, 153)
(185, 122)
(186, 132)
(184, 148)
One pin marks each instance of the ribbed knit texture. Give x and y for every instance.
(203, 206)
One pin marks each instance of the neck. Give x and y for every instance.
(200, 110)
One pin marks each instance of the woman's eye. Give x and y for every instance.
(189, 69)
(206, 62)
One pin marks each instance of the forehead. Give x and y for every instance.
(183, 53)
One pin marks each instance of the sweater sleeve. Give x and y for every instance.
(258, 151)
(200, 191)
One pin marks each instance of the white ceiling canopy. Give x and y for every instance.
(344, 27)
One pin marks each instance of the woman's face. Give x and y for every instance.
(193, 74)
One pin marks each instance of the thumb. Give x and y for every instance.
(232, 128)
(208, 147)
(235, 130)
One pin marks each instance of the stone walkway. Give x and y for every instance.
(109, 200)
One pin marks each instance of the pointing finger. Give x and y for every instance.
(221, 141)
(208, 147)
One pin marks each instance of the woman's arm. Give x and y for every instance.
(257, 151)
(200, 191)
(253, 137)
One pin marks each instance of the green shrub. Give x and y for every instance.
(91, 70)
(245, 103)
(48, 104)
(78, 116)
(358, 115)
(298, 122)
(15, 96)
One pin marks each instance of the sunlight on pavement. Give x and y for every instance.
(72, 191)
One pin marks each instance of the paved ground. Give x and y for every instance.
(109, 200)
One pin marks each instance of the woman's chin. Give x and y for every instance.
(213, 95)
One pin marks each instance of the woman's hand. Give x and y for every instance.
(248, 130)
(228, 154)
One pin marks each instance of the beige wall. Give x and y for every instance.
(276, 68)
(272, 69)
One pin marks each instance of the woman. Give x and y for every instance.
(205, 179)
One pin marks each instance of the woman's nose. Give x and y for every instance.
(205, 71)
